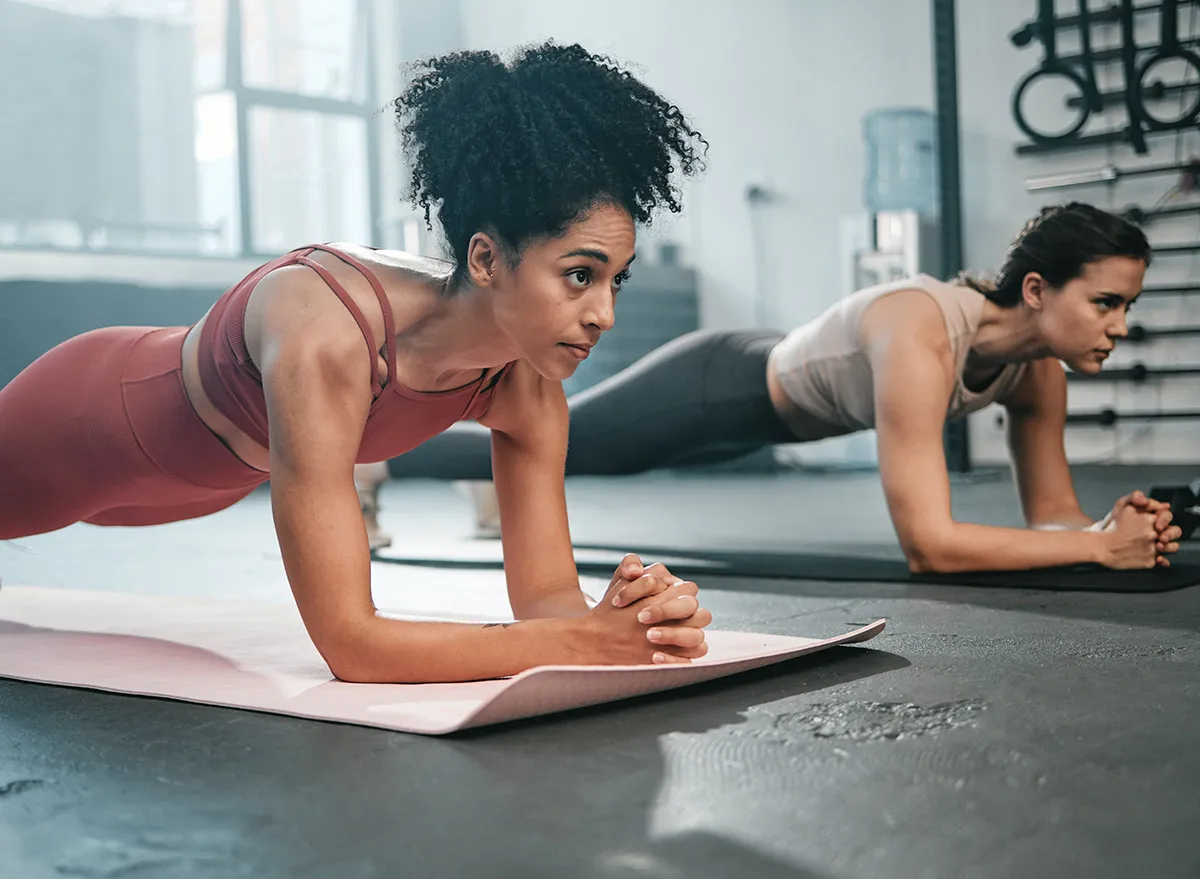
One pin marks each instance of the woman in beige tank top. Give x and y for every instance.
(902, 358)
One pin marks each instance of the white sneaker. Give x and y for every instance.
(484, 504)
(368, 502)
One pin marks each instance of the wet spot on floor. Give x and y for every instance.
(12, 788)
(860, 721)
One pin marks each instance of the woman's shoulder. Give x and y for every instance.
(331, 291)
(524, 402)
(394, 267)
(906, 306)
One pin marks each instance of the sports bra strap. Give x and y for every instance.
(355, 312)
(385, 306)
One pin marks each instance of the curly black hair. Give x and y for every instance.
(520, 150)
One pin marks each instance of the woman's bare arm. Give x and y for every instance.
(1036, 421)
(317, 380)
(529, 423)
(906, 341)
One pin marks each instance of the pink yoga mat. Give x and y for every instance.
(259, 657)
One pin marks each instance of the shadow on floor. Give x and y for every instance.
(238, 793)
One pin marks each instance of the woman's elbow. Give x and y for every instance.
(926, 555)
(352, 672)
(920, 562)
(348, 668)
(348, 659)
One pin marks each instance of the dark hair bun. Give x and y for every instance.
(519, 149)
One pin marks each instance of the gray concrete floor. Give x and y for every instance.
(987, 733)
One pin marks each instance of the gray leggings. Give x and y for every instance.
(701, 398)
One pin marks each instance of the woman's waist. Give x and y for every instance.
(815, 404)
(250, 449)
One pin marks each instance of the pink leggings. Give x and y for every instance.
(100, 430)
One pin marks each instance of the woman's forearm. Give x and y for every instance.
(385, 650)
(967, 547)
(1067, 521)
(569, 601)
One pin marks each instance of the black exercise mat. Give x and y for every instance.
(602, 560)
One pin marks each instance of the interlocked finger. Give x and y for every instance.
(676, 603)
(682, 654)
(676, 636)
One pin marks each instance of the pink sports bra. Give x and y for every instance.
(400, 418)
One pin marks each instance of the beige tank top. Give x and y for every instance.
(824, 372)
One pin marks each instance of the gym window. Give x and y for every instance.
(187, 127)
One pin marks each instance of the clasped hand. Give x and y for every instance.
(664, 611)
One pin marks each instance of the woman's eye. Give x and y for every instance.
(580, 276)
(622, 279)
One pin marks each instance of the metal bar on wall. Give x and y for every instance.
(1135, 214)
(1156, 91)
(1107, 174)
(1175, 249)
(1171, 290)
(955, 437)
(1104, 15)
(1109, 417)
(1136, 373)
(1085, 141)
(1113, 56)
(1139, 333)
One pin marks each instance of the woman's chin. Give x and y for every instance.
(556, 367)
(1088, 364)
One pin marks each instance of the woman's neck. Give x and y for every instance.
(450, 334)
(1005, 335)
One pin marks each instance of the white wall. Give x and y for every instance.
(778, 87)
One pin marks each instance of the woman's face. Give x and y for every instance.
(1081, 322)
(558, 300)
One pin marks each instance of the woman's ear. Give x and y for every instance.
(483, 258)
(1033, 291)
